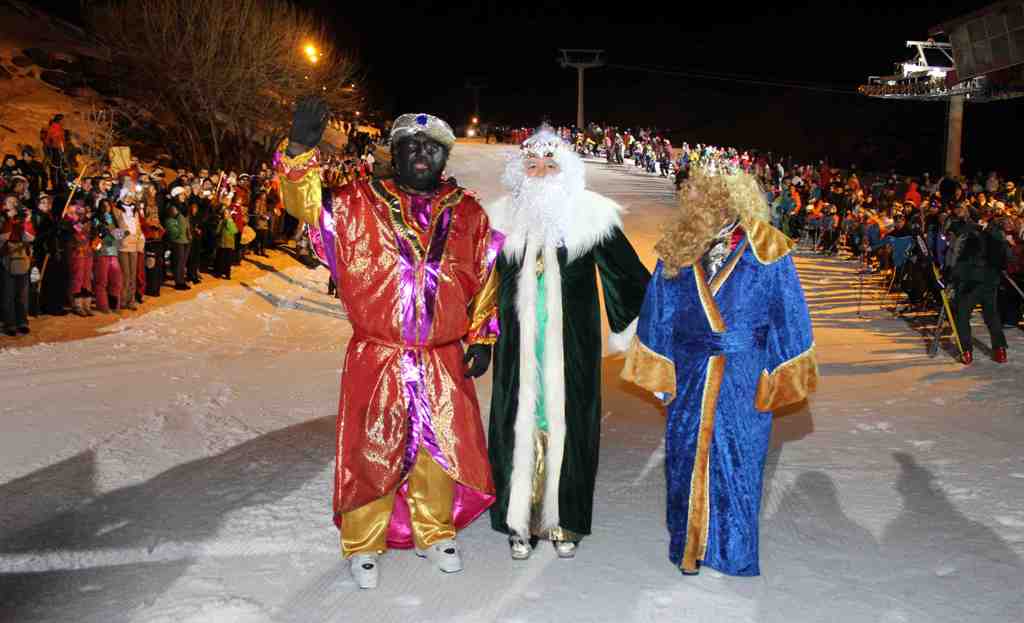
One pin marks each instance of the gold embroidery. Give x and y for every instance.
(699, 514)
(791, 382)
(649, 370)
(397, 215)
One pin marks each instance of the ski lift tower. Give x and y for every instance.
(983, 61)
(581, 60)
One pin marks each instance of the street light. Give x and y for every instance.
(476, 120)
(312, 53)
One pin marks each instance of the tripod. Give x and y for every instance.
(860, 275)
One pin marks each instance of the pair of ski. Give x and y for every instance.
(946, 314)
(945, 317)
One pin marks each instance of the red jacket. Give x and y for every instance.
(912, 195)
(55, 136)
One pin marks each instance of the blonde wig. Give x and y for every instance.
(707, 203)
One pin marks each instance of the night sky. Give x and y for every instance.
(419, 56)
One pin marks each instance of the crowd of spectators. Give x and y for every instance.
(106, 240)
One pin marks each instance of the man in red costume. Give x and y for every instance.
(413, 259)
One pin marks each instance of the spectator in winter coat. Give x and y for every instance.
(226, 231)
(16, 236)
(132, 245)
(50, 258)
(912, 195)
(107, 269)
(179, 234)
(195, 247)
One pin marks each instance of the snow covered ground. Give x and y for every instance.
(177, 468)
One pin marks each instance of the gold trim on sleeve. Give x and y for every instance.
(649, 370)
(791, 382)
(482, 309)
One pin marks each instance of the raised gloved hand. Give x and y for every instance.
(308, 125)
(477, 360)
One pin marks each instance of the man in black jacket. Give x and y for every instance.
(980, 261)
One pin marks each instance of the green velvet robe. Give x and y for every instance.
(624, 281)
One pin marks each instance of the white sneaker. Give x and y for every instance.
(520, 547)
(565, 549)
(364, 570)
(444, 554)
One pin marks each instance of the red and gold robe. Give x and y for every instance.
(414, 294)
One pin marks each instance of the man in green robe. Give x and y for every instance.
(546, 404)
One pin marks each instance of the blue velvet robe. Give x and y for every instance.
(724, 354)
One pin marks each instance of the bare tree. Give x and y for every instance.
(221, 76)
(99, 133)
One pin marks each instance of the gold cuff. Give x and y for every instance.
(791, 382)
(649, 370)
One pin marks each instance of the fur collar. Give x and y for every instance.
(593, 216)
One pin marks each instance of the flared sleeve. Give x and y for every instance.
(791, 373)
(483, 309)
(649, 360)
(301, 186)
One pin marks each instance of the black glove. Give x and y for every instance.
(308, 125)
(480, 356)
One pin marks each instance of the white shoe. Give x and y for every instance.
(520, 547)
(444, 554)
(364, 570)
(565, 549)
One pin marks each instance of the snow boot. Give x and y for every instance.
(565, 549)
(444, 554)
(364, 570)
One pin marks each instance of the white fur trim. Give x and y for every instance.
(593, 216)
(619, 342)
(518, 516)
(554, 387)
(552, 375)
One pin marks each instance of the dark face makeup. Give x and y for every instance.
(419, 162)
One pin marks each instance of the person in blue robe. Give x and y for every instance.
(724, 338)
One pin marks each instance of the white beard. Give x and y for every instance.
(539, 210)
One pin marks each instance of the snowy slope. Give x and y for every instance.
(178, 468)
